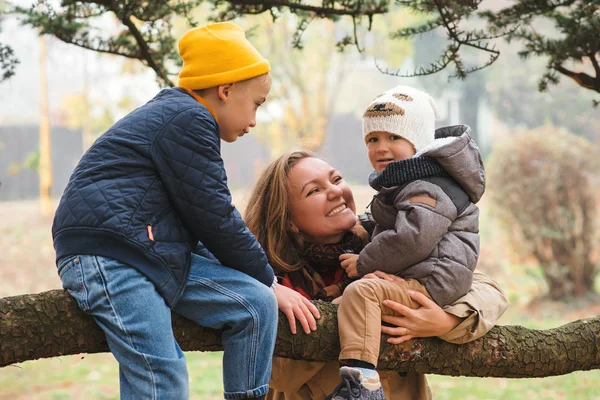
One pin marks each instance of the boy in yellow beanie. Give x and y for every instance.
(146, 226)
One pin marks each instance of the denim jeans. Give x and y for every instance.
(137, 324)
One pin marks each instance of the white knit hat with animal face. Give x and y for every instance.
(403, 111)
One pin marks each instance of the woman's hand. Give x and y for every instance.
(295, 306)
(332, 291)
(427, 320)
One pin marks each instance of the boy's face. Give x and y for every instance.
(238, 106)
(385, 147)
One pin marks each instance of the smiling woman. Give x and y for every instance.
(303, 214)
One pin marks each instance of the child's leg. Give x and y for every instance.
(137, 324)
(359, 323)
(224, 298)
(359, 315)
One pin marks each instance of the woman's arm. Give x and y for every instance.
(469, 318)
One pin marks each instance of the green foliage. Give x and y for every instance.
(32, 161)
(446, 15)
(570, 47)
(576, 40)
(544, 189)
(146, 33)
(8, 60)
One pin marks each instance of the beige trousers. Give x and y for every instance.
(359, 321)
(302, 380)
(360, 311)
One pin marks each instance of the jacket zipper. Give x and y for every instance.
(156, 219)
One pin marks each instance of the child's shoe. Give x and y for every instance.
(357, 386)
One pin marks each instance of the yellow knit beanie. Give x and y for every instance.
(217, 54)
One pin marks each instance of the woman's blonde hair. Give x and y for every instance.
(268, 213)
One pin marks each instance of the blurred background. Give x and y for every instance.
(539, 221)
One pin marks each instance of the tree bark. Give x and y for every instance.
(50, 324)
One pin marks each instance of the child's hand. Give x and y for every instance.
(295, 306)
(361, 232)
(349, 264)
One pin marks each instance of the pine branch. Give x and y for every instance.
(582, 79)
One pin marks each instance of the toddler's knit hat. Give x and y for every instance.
(403, 111)
(217, 54)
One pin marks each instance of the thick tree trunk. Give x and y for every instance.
(50, 324)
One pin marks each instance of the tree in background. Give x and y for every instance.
(571, 48)
(45, 160)
(92, 114)
(8, 60)
(306, 82)
(146, 32)
(512, 94)
(544, 188)
(147, 27)
(565, 32)
(309, 77)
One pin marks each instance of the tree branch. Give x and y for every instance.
(321, 11)
(146, 53)
(595, 64)
(50, 324)
(83, 45)
(582, 79)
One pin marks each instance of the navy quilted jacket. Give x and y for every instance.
(150, 190)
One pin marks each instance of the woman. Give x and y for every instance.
(303, 214)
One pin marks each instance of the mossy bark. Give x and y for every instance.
(50, 324)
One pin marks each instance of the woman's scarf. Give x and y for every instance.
(322, 269)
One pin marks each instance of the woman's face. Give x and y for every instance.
(321, 203)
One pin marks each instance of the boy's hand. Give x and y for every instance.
(349, 264)
(295, 306)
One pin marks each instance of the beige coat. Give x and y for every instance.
(480, 308)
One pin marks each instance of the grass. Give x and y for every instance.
(96, 376)
(579, 385)
(27, 260)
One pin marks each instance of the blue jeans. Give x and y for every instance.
(137, 324)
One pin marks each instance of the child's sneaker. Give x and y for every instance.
(357, 386)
